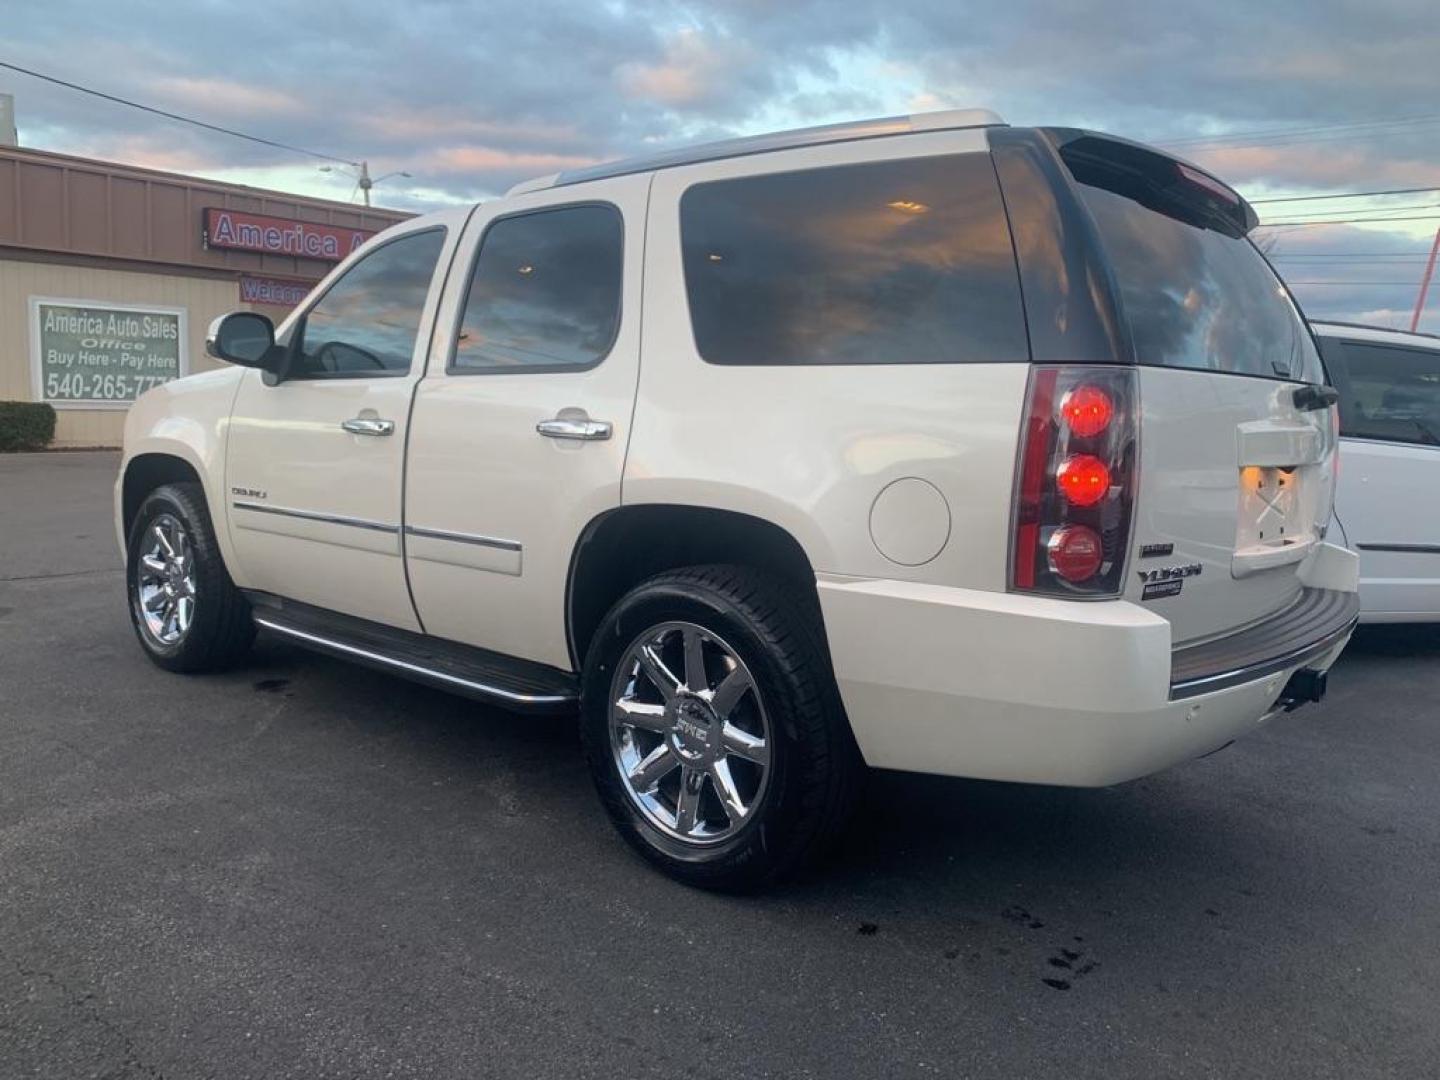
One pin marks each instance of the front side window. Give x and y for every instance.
(545, 292)
(366, 323)
(888, 262)
(1389, 393)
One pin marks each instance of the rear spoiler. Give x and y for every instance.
(1165, 184)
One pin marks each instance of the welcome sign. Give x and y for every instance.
(93, 355)
(282, 292)
(239, 230)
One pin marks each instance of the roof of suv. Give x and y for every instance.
(948, 119)
(1366, 332)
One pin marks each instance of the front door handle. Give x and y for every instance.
(366, 425)
(565, 427)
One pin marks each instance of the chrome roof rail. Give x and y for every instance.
(949, 119)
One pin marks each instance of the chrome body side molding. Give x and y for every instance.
(312, 515)
(464, 538)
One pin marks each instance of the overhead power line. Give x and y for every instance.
(1364, 210)
(1347, 221)
(1309, 265)
(1341, 195)
(1316, 132)
(1407, 284)
(176, 116)
(1368, 256)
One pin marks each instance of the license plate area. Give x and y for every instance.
(1276, 521)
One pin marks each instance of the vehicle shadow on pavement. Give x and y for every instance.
(1395, 639)
(915, 830)
(1048, 890)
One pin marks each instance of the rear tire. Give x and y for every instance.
(713, 728)
(187, 613)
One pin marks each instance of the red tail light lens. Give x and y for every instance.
(1083, 479)
(1075, 481)
(1086, 410)
(1075, 552)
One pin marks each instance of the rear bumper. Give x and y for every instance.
(1319, 620)
(1004, 687)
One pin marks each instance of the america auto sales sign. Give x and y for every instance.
(238, 230)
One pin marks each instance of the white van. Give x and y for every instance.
(928, 443)
(1388, 501)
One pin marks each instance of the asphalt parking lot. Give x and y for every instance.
(304, 869)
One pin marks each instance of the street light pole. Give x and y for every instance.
(364, 181)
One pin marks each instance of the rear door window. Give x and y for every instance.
(1388, 393)
(889, 262)
(1197, 298)
(545, 292)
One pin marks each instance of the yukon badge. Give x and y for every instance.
(1166, 580)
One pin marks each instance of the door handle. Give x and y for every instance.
(365, 425)
(565, 427)
(1314, 398)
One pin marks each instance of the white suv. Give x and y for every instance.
(927, 443)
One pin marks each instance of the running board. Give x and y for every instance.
(463, 669)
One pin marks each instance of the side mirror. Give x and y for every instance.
(246, 338)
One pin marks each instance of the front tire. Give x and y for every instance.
(187, 613)
(713, 728)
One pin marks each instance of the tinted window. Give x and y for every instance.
(366, 323)
(545, 294)
(1196, 298)
(1389, 393)
(894, 262)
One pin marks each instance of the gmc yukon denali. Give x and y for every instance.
(924, 443)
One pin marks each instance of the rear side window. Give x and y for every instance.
(1197, 298)
(892, 262)
(545, 292)
(1388, 393)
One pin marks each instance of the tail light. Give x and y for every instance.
(1075, 482)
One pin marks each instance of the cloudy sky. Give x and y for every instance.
(1279, 97)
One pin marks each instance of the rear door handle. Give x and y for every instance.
(365, 425)
(564, 427)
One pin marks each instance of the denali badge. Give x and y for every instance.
(247, 493)
(1156, 551)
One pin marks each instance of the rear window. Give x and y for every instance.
(891, 262)
(1196, 298)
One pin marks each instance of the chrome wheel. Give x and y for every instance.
(165, 581)
(689, 733)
